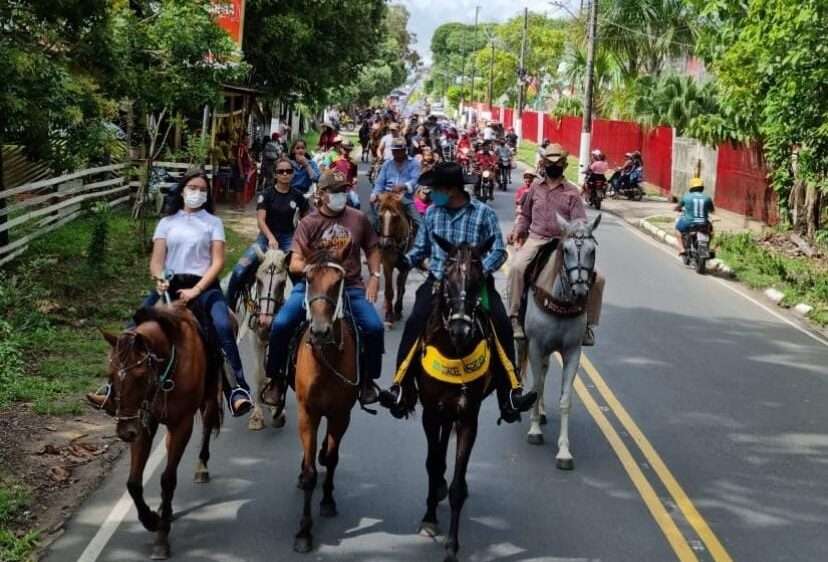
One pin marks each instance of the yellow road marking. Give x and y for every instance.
(706, 534)
(645, 490)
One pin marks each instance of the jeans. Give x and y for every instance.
(408, 203)
(250, 261)
(292, 313)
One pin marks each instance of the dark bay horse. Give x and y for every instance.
(395, 241)
(326, 383)
(456, 329)
(160, 374)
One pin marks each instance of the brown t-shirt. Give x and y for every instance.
(344, 234)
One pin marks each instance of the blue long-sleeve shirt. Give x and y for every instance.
(392, 174)
(302, 180)
(473, 224)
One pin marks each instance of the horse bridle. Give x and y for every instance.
(265, 297)
(450, 315)
(581, 279)
(385, 236)
(162, 381)
(338, 314)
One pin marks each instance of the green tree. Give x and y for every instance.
(769, 59)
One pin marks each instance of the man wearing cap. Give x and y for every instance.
(336, 227)
(385, 146)
(458, 219)
(347, 167)
(537, 223)
(398, 175)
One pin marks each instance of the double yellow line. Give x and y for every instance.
(665, 522)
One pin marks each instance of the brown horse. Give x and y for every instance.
(326, 383)
(160, 373)
(456, 329)
(395, 241)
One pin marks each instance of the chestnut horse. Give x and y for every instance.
(394, 241)
(160, 374)
(326, 383)
(456, 329)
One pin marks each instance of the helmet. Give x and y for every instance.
(696, 183)
(598, 154)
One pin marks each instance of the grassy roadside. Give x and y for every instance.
(52, 302)
(800, 279)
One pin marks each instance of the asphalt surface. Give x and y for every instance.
(730, 397)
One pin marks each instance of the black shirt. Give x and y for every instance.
(281, 209)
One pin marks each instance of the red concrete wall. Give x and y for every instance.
(616, 138)
(657, 153)
(742, 183)
(507, 117)
(530, 126)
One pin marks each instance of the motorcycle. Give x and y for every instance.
(697, 247)
(504, 172)
(485, 191)
(596, 189)
(621, 187)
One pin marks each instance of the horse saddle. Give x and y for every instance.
(543, 295)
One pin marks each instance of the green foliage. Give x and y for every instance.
(769, 58)
(676, 101)
(568, 106)
(800, 279)
(13, 499)
(296, 50)
(96, 251)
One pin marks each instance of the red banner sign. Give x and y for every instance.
(230, 17)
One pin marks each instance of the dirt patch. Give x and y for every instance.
(59, 460)
(783, 244)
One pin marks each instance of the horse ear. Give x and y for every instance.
(595, 223)
(563, 224)
(485, 247)
(444, 244)
(110, 338)
(259, 253)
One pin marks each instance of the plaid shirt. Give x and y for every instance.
(473, 224)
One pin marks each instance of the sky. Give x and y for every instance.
(428, 15)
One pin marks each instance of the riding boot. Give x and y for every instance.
(105, 402)
(274, 391)
(368, 392)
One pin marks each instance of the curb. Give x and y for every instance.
(721, 269)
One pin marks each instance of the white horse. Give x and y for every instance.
(556, 321)
(259, 304)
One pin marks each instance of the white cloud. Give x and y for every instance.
(428, 15)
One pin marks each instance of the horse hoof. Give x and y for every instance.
(543, 419)
(302, 545)
(202, 477)
(160, 552)
(535, 438)
(255, 423)
(565, 464)
(328, 509)
(430, 530)
(279, 421)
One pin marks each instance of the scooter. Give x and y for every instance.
(697, 247)
(624, 187)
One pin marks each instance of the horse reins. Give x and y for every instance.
(579, 267)
(161, 382)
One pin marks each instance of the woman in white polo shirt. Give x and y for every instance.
(187, 258)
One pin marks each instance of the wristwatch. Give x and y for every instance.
(376, 274)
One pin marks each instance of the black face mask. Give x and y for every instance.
(554, 170)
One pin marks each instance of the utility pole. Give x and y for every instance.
(474, 46)
(586, 128)
(463, 79)
(521, 75)
(491, 74)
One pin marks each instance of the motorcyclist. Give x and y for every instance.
(695, 207)
(630, 174)
(504, 161)
(597, 169)
(511, 138)
(485, 159)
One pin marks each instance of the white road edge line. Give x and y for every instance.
(725, 284)
(113, 520)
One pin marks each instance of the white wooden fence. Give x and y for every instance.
(39, 207)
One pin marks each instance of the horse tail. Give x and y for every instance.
(213, 418)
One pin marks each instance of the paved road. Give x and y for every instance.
(699, 433)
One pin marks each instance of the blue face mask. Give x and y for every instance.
(440, 198)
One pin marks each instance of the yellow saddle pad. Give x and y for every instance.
(457, 371)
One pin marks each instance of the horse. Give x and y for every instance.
(262, 301)
(395, 240)
(326, 383)
(455, 331)
(160, 374)
(556, 320)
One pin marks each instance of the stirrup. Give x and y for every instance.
(104, 390)
(244, 408)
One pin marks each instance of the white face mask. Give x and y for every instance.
(194, 198)
(337, 201)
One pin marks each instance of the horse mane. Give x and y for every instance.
(170, 318)
(389, 200)
(322, 256)
(273, 257)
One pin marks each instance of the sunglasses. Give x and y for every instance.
(284, 172)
